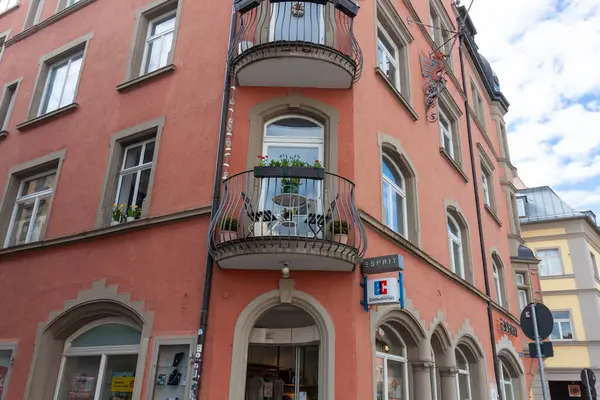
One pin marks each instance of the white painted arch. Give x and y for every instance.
(246, 321)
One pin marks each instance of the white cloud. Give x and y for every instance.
(546, 54)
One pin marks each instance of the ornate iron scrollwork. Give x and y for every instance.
(432, 69)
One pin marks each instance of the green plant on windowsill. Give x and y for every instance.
(134, 212)
(117, 214)
(229, 224)
(338, 227)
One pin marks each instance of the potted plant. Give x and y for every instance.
(339, 230)
(291, 169)
(117, 214)
(229, 228)
(133, 213)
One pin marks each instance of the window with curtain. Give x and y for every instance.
(394, 197)
(455, 242)
(550, 264)
(159, 42)
(390, 365)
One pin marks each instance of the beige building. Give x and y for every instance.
(568, 244)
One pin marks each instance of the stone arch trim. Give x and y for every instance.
(509, 355)
(299, 105)
(248, 318)
(91, 304)
(466, 336)
(392, 147)
(438, 328)
(451, 206)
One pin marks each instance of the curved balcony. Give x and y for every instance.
(302, 218)
(297, 44)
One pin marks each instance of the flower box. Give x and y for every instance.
(290, 172)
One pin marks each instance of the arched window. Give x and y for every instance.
(463, 378)
(93, 355)
(512, 380)
(455, 242)
(499, 283)
(391, 364)
(394, 197)
(434, 377)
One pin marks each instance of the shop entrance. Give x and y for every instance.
(283, 356)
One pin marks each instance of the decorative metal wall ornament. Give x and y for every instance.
(432, 69)
(298, 9)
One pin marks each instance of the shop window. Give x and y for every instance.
(550, 264)
(172, 370)
(391, 366)
(99, 361)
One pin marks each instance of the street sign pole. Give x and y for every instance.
(588, 386)
(539, 353)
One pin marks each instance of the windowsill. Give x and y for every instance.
(9, 10)
(145, 78)
(453, 162)
(3, 135)
(492, 213)
(399, 96)
(566, 276)
(47, 22)
(32, 123)
(478, 122)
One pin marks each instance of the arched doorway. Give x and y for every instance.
(283, 356)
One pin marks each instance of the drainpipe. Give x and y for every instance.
(486, 277)
(199, 358)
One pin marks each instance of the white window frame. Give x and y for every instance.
(394, 59)
(69, 3)
(150, 38)
(389, 200)
(521, 211)
(399, 359)
(21, 199)
(69, 61)
(523, 299)
(433, 377)
(595, 271)
(446, 133)
(138, 169)
(485, 184)
(11, 103)
(562, 320)
(454, 239)
(6, 5)
(103, 351)
(543, 261)
(496, 272)
(522, 289)
(505, 379)
(465, 372)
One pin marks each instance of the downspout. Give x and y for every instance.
(198, 354)
(486, 277)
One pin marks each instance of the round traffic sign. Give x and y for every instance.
(545, 321)
(587, 375)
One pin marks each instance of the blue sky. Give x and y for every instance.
(547, 56)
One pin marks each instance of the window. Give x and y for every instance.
(155, 39)
(440, 31)
(463, 378)
(7, 103)
(159, 43)
(497, 273)
(71, 2)
(31, 209)
(6, 359)
(455, 241)
(478, 104)
(594, 266)
(486, 183)
(522, 290)
(394, 197)
(2, 47)
(388, 59)
(61, 84)
(563, 329)
(170, 353)
(134, 176)
(550, 264)
(96, 354)
(34, 14)
(433, 376)
(521, 200)
(508, 392)
(6, 5)
(446, 135)
(391, 365)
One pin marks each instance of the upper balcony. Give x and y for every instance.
(297, 44)
(272, 217)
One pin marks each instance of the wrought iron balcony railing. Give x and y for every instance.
(266, 222)
(316, 30)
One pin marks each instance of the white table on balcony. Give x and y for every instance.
(292, 201)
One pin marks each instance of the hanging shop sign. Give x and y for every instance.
(382, 291)
(507, 327)
(122, 384)
(378, 265)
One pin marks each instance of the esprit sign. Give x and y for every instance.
(378, 265)
(507, 327)
(383, 291)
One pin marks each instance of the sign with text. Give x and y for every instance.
(507, 327)
(383, 291)
(378, 265)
